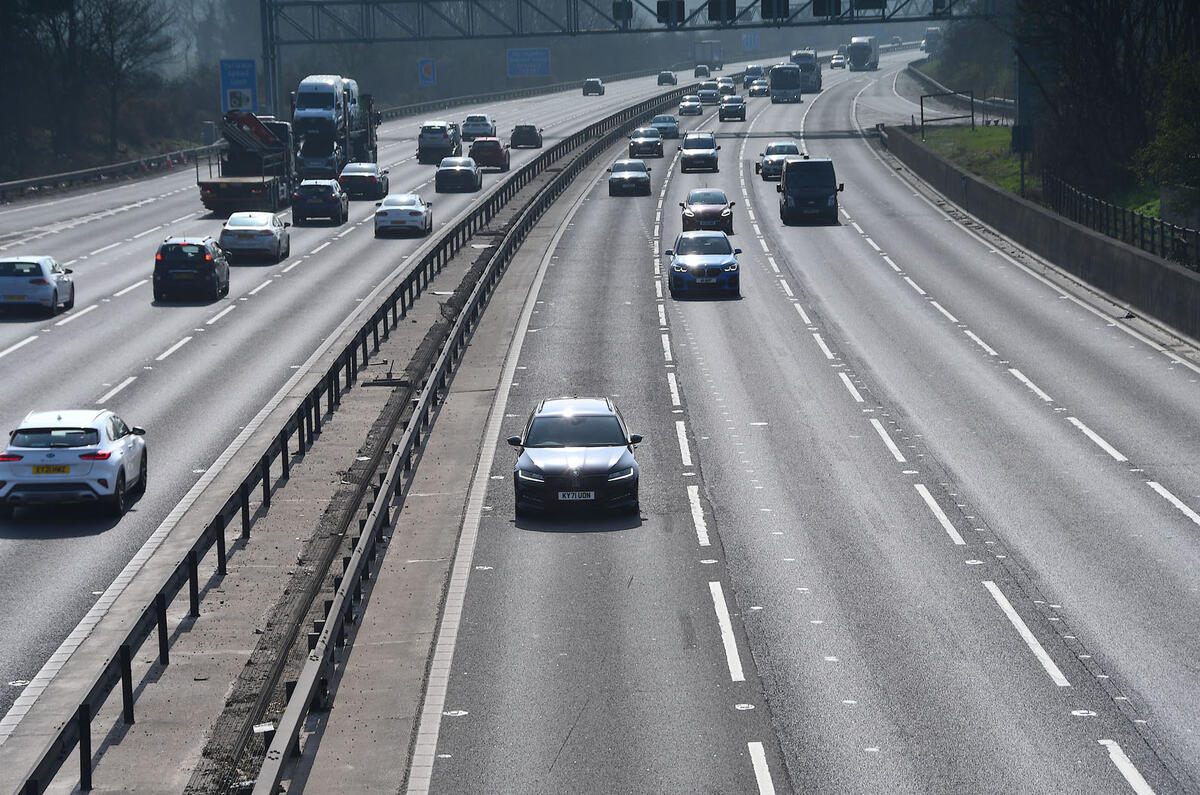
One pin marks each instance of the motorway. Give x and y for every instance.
(914, 518)
(193, 374)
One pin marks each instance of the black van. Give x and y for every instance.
(808, 188)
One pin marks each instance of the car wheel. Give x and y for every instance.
(429, 225)
(729, 229)
(143, 477)
(278, 252)
(287, 249)
(159, 294)
(376, 231)
(118, 503)
(611, 192)
(216, 291)
(53, 310)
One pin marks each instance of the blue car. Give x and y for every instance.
(320, 198)
(704, 263)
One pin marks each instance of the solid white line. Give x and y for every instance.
(172, 349)
(106, 248)
(942, 309)
(698, 515)
(1055, 674)
(941, 516)
(429, 726)
(148, 231)
(666, 343)
(783, 283)
(220, 314)
(318, 248)
(1171, 498)
(975, 337)
(850, 386)
(1132, 776)
(731, 652)
(130, 288)
(1037, 390)
(762, 773)
(110, 393)
(20, 344)
(673, 385)
(913, 285)
(1095, 437)
(803, 314)
(76, 315)
(685, 452)
(824, 348)
(887, 440)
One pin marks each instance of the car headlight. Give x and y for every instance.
(688, 213)
(731, 266)
(679, 268)
(621, 474)
(523, 474)
(726, 211)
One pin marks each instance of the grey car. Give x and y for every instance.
(770, 164)
(36, 280)
(698, 152)
(256, 233)
(629, 176)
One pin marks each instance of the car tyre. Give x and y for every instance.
(118, 503)
(53, 310)
(6, 511)
(70, 304)
(159, 295)
(611, 191)
(143, 476)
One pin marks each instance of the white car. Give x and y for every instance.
(837, 62)
(36, 281)
(72, 456)
(478, 125)
(403, 212)
(256, 233)
(690, 106)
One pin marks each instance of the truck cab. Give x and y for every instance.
(322, 105)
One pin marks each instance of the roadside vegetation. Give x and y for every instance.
(1114, 89)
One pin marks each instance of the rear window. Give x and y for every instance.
(592, 82)
(433, 129)
(709, 244)
(182, 252)
(45, 438)
(476, 118)
(315, 190)
(246, 220)
(485, 145)
(400, 201)
(808, 174)
(362, 169)
(20, 269)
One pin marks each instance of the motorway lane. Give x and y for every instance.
(591, 658)
(1075, 439)
(193, 400)
(893, 658)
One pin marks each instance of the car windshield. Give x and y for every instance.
(647, 132)
(182, 252)
(783, 149)
(629, 166)
(45, 438)
(246, 220)
(710, 85)
(20, 269)
(707, 197)
(401, 201)
(691, 98)
(708, 244)
(732, 101)
(664, 119)
(314, 99)
(699, 142)
(811, 174)
(575, 431)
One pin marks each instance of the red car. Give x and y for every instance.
(489, 152)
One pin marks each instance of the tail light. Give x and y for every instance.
(158, 257)
(207, 257)
(8, 458)
(99, 455)
(414, 212)
(38, 281)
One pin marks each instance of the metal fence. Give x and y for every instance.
(1175, 243)
(300, 429)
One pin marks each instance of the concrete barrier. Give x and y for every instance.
(1147, 284)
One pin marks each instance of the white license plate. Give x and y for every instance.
(706, 280)
(575, 496)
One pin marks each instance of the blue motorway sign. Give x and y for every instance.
(239, 85)
(529, 62)
(426, 72)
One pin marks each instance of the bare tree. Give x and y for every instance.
(129, 39)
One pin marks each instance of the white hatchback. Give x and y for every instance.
(478, 125)
(403, 212)
(72, 456)
(36, 281)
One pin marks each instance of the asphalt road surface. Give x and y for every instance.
(913, 518)
(191, 373)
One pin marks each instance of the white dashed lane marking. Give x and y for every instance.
(727, 639)
(887, 440)
(107, 396)
(172, 349)
(685, 451)
(693, 493)
(1026, 635)
(1097, 439)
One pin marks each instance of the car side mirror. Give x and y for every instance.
(67, 270)
(732, 203)
(635, 438)
(669, 253)
(648, 169)
(609, 170)
(681, 204)
(737, 251)
(377, 204)
(779, 189)
(384, 171)
(515, 441)
(841, 186)
(287, 223)
(718, 146)
(428, 204)
(761, 154)
(138, 430)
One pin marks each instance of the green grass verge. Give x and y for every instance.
(984, 151)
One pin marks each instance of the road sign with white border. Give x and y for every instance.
(239, 85)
